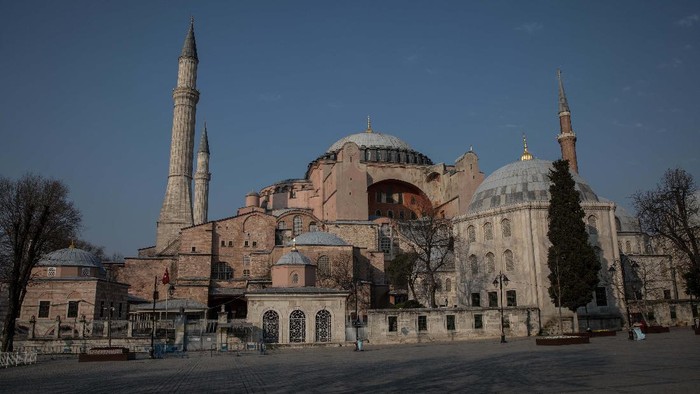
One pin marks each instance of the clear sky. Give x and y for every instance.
(86, 91)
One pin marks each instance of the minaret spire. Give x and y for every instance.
(176, 212)
(566, 137)
(201, 180)
(369, 125)
(526, 155)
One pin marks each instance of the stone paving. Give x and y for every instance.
(662, 363)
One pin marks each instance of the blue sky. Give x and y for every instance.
(86, 91)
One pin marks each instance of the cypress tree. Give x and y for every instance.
(572, 262)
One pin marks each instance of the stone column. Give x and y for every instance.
(32, 327)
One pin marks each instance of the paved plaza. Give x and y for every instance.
(662, 363)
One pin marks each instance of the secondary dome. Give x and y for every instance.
(519, 182)
(319, 238)
(371, 139)
(294, 258)
(71, 257)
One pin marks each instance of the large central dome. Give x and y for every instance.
(371, 139)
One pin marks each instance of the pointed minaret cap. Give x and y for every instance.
(189, 49)
(204, 142)
(526, 155)
(563, 104)
(369, 125)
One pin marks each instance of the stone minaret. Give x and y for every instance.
(176, 212)
(201, 180)
(566, 137)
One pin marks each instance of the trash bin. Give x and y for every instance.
(359, 344)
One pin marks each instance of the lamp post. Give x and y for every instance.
(153, 332)
(110, 309)
(500, 281)
(357, 322)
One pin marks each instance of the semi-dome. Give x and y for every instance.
(625, 221)
(321, 238)
(371, 139)
(519, 182)
(71, 257)
(294, 258)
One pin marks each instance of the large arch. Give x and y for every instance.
(396, 199)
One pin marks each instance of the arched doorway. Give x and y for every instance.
(323, 326)
(271, 327)
(297, 327)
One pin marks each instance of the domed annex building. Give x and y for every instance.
(70, 295)
(331, 234)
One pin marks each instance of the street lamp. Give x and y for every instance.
(153, 332)
(358, 322)
(109, 324)
(500, 281)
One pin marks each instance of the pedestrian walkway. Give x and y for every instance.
(661, 363)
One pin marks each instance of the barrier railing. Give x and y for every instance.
(11, 359)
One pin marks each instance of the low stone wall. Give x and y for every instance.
(448, 324)
(77, 346)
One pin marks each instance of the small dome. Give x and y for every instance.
(519, 182)
(371, 140)
(319, 238)
(294, 258)
(252, 194)
(71, 257)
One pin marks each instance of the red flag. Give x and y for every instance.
(166, 277)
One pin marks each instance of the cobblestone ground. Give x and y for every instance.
(662, 363)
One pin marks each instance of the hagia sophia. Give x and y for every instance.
(304, 259)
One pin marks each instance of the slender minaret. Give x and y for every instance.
(566, 137)
(201, 180)
(176, 212)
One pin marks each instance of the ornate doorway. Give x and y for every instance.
(297, 327)
(271, 327)
(323, 326)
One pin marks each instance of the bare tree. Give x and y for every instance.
(430, 239)
(402, 272)
(671, 211)
(36, 217)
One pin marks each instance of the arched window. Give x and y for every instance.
(402, 216)
(324, 267)
(378, 212)
(448, 284)
(246, 260)
(592, 225)
(413, 215)
(295, 278)
(471, 234)
(490, 263)
(390, 214)
(505, 228)
(297, 327)
(438, 284)
(313, 226)
(323, 326)
(488, 231)
(271, 327)
(508, 258)
(474, 265)
(298, 225)
(281, 225)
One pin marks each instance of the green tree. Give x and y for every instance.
(671, 211)
(36, 217)
(402, 272)
(572, 261)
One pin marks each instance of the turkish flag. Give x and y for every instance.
(166, 277)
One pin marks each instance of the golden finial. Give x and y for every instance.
(471, 148)
(72, 244)
(526, 155)
(369, 124)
